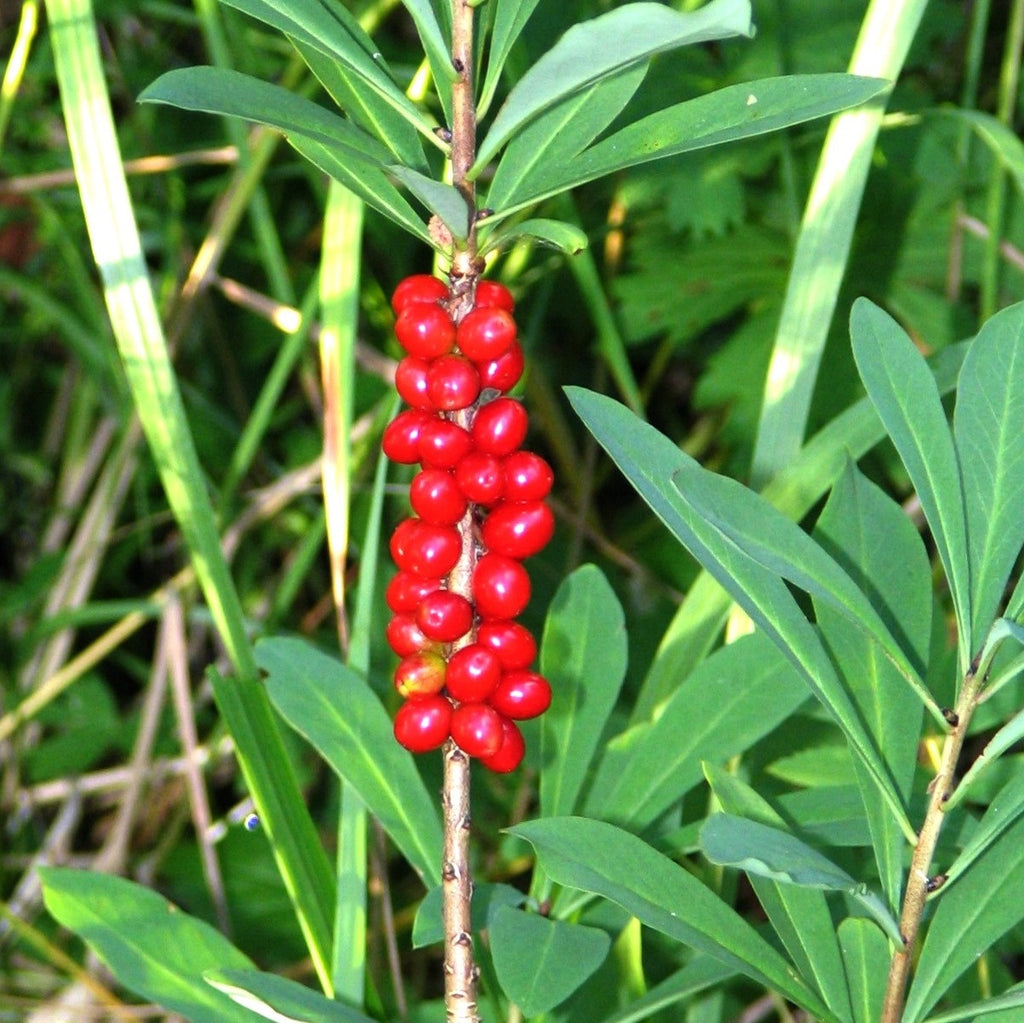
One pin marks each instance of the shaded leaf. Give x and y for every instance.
(509, 20)
(341, 716)
(540, 962)
(437, 49)
(583, 655)
(151, 947)
(904, 394)
(444, 200)
(701, 973)
(604, 46)
(1012, 999)
(866, 959)
(555, 234)
(596, 857)
(428, 927)
(280, 999)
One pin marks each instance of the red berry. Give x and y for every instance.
(405, 591)
(442, 444)
(472, 674)
(491, 295)
(425, 330)
(425, 549)
(401, 436)
(513, 643)
(405, 637)
(444, 616)
(499, 427)
(501, 587)
(504, 372)
(411, 382)
(485, 334)
(518, 530)
(476, 729)
(422, 725)
(418, 288)
(420, 674)
(510, 753)
(452, 383)
(480, 478)
(527, 477)
(437, 498)
(521, 694)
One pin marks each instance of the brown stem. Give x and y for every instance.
(918, 881)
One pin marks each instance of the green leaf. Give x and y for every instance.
(280, 999)
(727, 115)
(866, 958)
(699, 974)
(540, 962)
(704, 511)
(770, 852)
(652, 765)
(1012, 999)
(904, 394)
(510, 18)
(596, 857)
(989, 410)
(555, 138)
(341, 716)
(800, 916)
(602, 47)
(444, 200)
(583, 654)
(428, 927)
(555, 234)
(1002, 141)
(878, 545)
(983, 905)
(437, 49)
(151, 947)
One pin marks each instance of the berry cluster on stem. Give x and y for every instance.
(466, 663)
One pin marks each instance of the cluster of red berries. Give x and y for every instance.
(465, 669)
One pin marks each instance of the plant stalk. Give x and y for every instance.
(919, 881)
(460, 969)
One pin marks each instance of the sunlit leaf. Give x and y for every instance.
(280, 999)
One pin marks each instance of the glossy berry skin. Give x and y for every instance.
(422, 725)
(425, 330)
(402, 436)
(510, 753)
(412, 383)
(436, 497)
(443, 444)
(518, 530)
(485, 334)
(513, 643)
(418, 288)
(527, 477)
(473, 673)
(480, 478)
(476, 729)
(504, 372)
(499, 427)
(492, 295)
(444, 616)
(501, 587)
(420, 674)
(425, 549)
(405, 591)
(452, 383)
(405, 637)
(521, 694)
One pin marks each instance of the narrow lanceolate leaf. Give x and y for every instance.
(150, 946)
(509, 19)
(699, 517)
(441, 199)
(583, 655)
(727, 115)
(341, 716)
(602, 47)
(904, 394)
(986, 429)
(882, 551)
(773, 853)
(555, 234)
(437, 49)
(280, 999)
(650, 767)
(866, 958)
(332, 31)
(597, 857)
(1007, 1004)
(981, 907)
